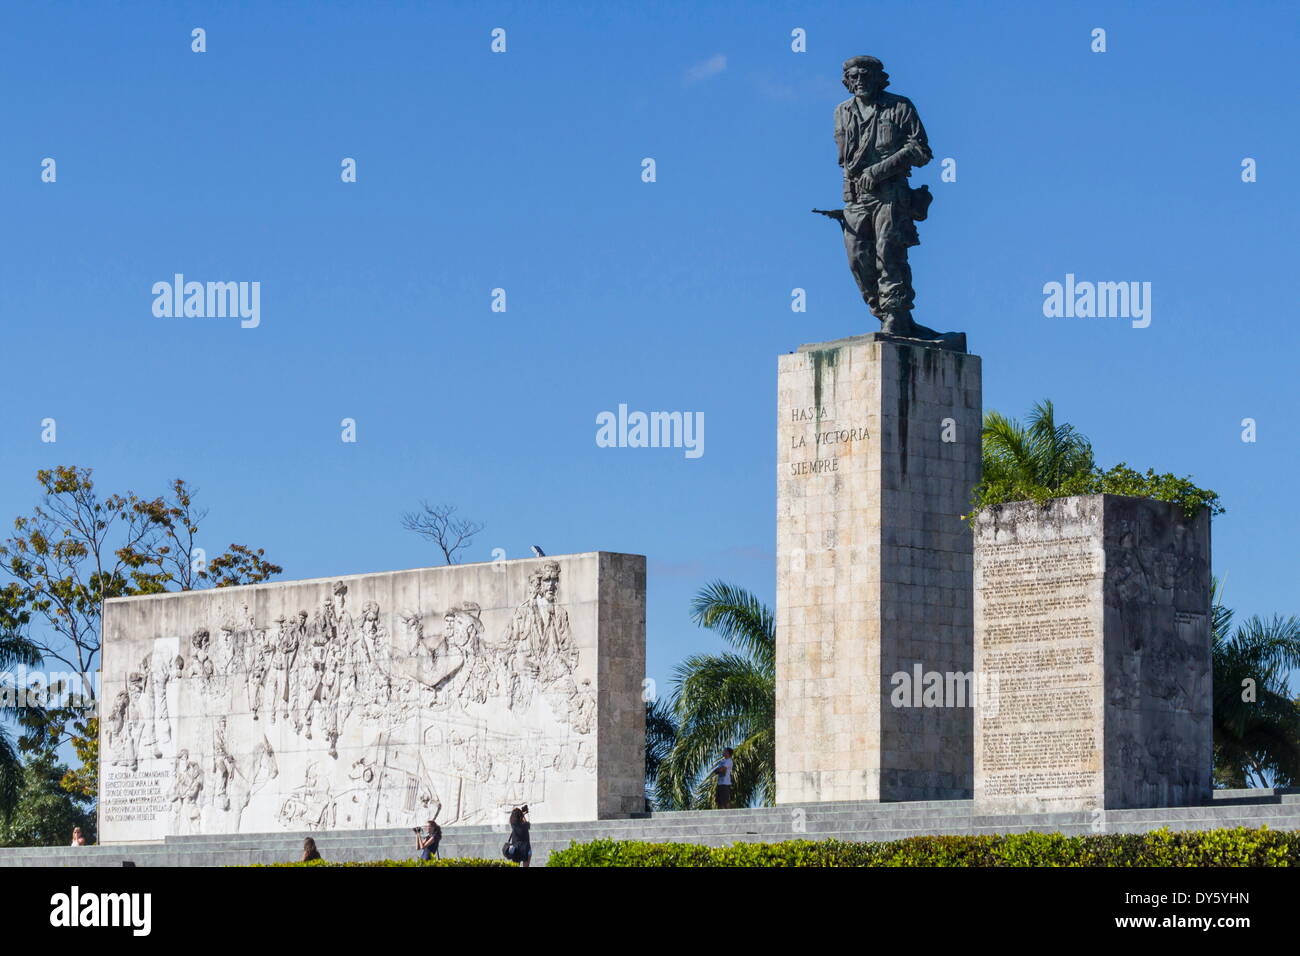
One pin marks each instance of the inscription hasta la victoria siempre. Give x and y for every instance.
(819, 436)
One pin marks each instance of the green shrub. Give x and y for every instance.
(1237, 847)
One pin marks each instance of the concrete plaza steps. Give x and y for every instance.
(855, 820)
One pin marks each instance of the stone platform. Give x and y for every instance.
(851, 820)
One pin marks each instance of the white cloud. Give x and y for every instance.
(710, 67)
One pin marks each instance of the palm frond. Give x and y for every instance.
(740, 619)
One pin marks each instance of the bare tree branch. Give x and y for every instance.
(439, 524)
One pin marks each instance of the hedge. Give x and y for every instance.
(1236, 847)
(449, 861)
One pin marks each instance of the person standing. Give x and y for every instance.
(309, 851)
(77, 838)
(520, 845)
(428, 840)
(722, 795)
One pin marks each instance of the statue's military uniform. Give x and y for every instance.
(879, 142)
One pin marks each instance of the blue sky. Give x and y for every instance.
(522, 171)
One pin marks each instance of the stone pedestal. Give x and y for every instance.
(1092, 629)
(878, 450)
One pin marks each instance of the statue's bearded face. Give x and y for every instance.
(861, 81)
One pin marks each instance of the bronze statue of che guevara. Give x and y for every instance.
(880, 139)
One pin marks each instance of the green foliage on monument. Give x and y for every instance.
(75, 550)
(1224, 847)
(720, 700)
(1256, 721)
(44, 813)
(1041, 459)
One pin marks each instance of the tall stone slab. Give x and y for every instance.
(377, 700)
(878, 450)
(1092, 628)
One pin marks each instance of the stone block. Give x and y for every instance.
(376, 700)
(1092, 638)
(879, 440)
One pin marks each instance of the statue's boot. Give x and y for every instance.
(901, 324)
(898, 323)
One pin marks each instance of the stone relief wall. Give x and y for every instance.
(373, 701)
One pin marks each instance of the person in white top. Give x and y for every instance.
(77, 838)
(722, 795)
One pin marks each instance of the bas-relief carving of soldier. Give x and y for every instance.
(342, 619)
(185, 792)
(223, 764)
(203, 667)
(478, 680)
(280, 659)
(260, 672)
(540, 629)
(119, 737)
(323, 681)
(374, 677)
(159, 670)
(229, 649)
(140, 716)
(293, 651)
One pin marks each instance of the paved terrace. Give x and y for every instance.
(856, 820)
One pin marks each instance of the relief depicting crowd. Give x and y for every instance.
(321, 672)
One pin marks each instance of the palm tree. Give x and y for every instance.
(1039, 459)
(14, 649)
(1256, 722)
(660, 738)
(724, 700)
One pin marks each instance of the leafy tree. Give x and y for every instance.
(1256, 722)
(1042, 459)
(74, 551)
(45, 813)
(724, 700)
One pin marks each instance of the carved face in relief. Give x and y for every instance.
(546, 581)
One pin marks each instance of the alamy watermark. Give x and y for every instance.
(48, 689)
(208, 300)
(651, 430)
(921, 688)
(1101, 300)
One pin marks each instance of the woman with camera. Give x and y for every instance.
(519, 848)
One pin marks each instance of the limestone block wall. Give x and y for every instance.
(376, 700)
(878, 450)
(1092, 626)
